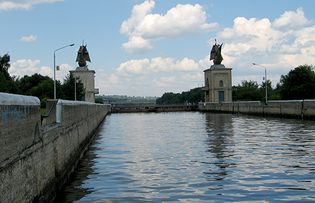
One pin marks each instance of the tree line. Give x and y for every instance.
(192, 96)
(37, 85)
(299, 83)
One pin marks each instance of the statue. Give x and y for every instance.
(83, 56)
(215, 54)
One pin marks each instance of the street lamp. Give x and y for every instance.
(266, 86)
(70, 45)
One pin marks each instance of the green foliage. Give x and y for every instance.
(276, 93)
(5, 65)
(37, 85)
(7, 83)
(251, 91)
(298, 83)
(28, 84)
(170, 98)
(193, 96)
(270, 91)
(68, 89)
(99, 100)
(247, 91)
(123, 99)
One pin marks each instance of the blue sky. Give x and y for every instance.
(146, 48)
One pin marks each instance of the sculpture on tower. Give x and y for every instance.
(86, 76)
(218, 78)
(215, 54)
(83, 56)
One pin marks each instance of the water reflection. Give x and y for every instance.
(73, 190)
(219, 140)
(195, 157)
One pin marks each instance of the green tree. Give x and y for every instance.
(275, 95)
(7, 83)
(270, 91)
(99, 100)
(170, 98)
(193, 96)
(247, 91)
(5, 65)
(68, 89)
(27, 83)
(298, 83)
(37, 85)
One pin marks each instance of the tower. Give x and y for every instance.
(218, 79)
(85, 75)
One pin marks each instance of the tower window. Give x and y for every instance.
(221, 83)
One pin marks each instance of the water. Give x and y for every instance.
(197, 157)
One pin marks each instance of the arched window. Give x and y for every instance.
(221, 83)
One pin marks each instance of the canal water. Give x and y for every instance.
(197, 157)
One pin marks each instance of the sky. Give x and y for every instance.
(149, 47)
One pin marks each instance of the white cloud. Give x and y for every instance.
(269, 42)
(29, 38)
(280, 45)
(144, 26)
(157, 64)
(152, 76)
(29, 67)
(23, 67)
(137, 44)
(291, 20)
(22, 4)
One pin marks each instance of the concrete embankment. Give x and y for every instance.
(145, 108)
(304, 109)
(38, 154)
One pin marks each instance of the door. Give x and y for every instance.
(221, 96)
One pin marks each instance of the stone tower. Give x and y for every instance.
(218, 84)
(218, 79)
(87, 78)
(85, 75)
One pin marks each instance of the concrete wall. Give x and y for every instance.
(304, 109)
(37, 161)
(133, 108)
(19, 124)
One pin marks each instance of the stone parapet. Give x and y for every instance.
(19, 124)
(304, 109)
(36, 160)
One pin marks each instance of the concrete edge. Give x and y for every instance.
(14, 99)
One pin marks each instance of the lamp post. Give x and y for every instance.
(266, 85)
(70, 45)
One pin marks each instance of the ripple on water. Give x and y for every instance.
(196, 157)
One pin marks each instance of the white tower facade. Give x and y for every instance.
(87, 78)
(218, 84)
